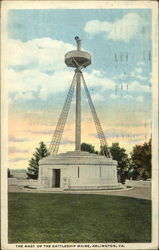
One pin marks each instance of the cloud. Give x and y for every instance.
(123, 29)
(36, 68)
(28, 79)
(41, 132)
(32, 81)
(123, 76)
(18, 159)
(134, 141)
(120, 133)
(13, 150)
(97, 97)
(114, 133)
(138, 70)
(113, 96)
(15, 139)
(138, 87)
(44, 53)
(140, 77)
(66, 141)
(140, 63)
(125, 96)
(128, 97)
(130, 124)
(140, 98)
(44, 132)
(25, 95)
(133, 88)
(30, 84)
(137, 73)
(98, 79)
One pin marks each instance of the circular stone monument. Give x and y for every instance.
(77, 170)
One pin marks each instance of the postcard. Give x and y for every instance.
(79, 125)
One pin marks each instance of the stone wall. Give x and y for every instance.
(14, 181)
(140, 183)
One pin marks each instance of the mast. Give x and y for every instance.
(78, 112)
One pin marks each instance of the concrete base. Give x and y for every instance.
(141, 183)
(106, 187)
(76, 170)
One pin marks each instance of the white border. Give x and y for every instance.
(6, 5)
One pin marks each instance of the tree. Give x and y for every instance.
(33, 169)
(119, 154)
(9, 174)
(88, 147)
(141, 157)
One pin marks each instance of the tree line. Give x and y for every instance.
(136, 166)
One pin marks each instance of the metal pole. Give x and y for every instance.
(78, 111)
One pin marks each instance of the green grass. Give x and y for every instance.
(81, 218)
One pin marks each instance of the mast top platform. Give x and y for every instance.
(77, 58)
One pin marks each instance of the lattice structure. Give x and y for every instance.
(101, 136)
(56, 139)
(55, 142)
(77, 59)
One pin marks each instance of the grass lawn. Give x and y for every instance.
(35, 217)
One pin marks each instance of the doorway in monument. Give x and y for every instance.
(56, 178)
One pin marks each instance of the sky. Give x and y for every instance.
(119, 78)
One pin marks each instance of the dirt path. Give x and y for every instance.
(136, 192)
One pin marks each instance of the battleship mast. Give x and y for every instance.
(77, 59)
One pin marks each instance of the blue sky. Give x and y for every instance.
(119, 77)
(63, 25)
